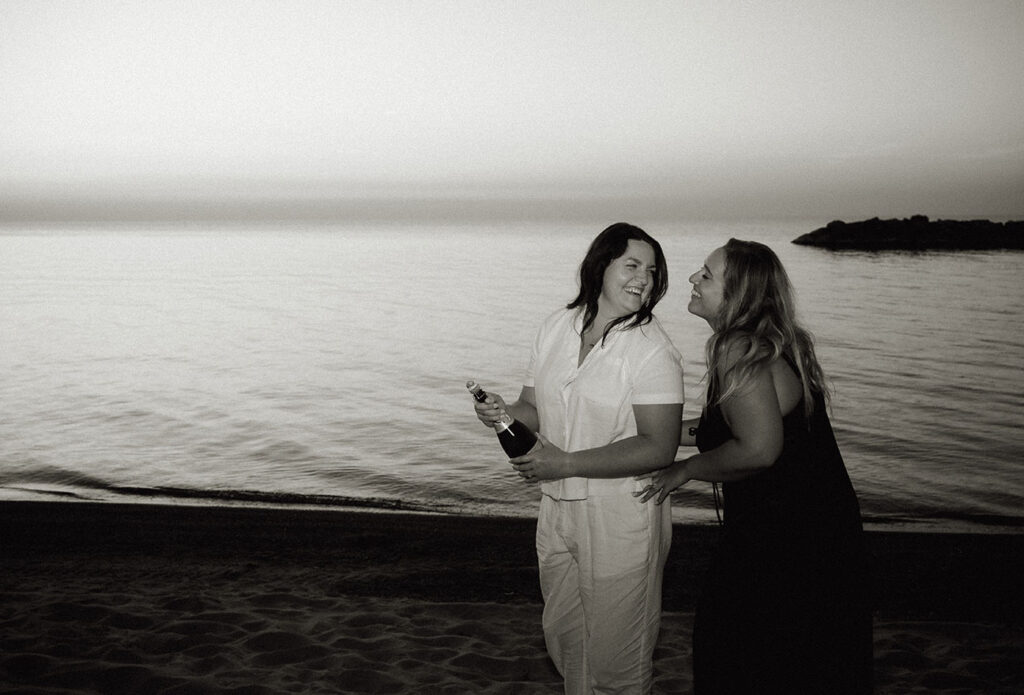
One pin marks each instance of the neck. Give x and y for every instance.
(593, 334)
(602, 319)
(598, 324)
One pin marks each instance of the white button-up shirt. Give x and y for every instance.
(591, 405)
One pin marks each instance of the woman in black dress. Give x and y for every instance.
(784, 608)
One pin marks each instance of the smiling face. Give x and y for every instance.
(627, 281)
(708, 287)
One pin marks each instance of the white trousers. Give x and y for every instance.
(601, 562)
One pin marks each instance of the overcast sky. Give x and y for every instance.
(808, 108)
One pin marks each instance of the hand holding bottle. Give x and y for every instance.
(515, 437)
(543, 462)
(489, 410)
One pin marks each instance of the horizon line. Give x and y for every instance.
(412, 207)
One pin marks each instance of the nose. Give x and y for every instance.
(694, 279)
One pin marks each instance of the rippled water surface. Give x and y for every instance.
(325, 366)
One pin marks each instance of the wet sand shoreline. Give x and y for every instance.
(150, 598)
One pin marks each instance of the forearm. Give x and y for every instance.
(688, 435)
(525, 412)
(628, 457)
(724, 464)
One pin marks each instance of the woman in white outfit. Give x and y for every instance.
(604, 390)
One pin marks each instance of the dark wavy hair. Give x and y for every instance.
(605, 248)
(757, 324)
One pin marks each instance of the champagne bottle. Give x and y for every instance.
(515, 437)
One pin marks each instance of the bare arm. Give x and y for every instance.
(525, 408)
(755, 419)
(654, 446)
(688, 432)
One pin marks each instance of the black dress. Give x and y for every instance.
(785, 605)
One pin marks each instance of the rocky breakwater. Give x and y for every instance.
(916, 233)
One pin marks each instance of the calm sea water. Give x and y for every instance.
(325, 366)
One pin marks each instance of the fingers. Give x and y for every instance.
(488, 413)
(526, 472)
(654, 489)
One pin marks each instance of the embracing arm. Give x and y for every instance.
(755, 419)
(688, 432)
(654, 446)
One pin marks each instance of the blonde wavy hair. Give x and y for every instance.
(757, 325)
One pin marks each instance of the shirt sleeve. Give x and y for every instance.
(660, 378)
(529, 378)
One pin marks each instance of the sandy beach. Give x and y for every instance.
(104, 598)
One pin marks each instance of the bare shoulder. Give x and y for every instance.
(733, 353)
(787, 384)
